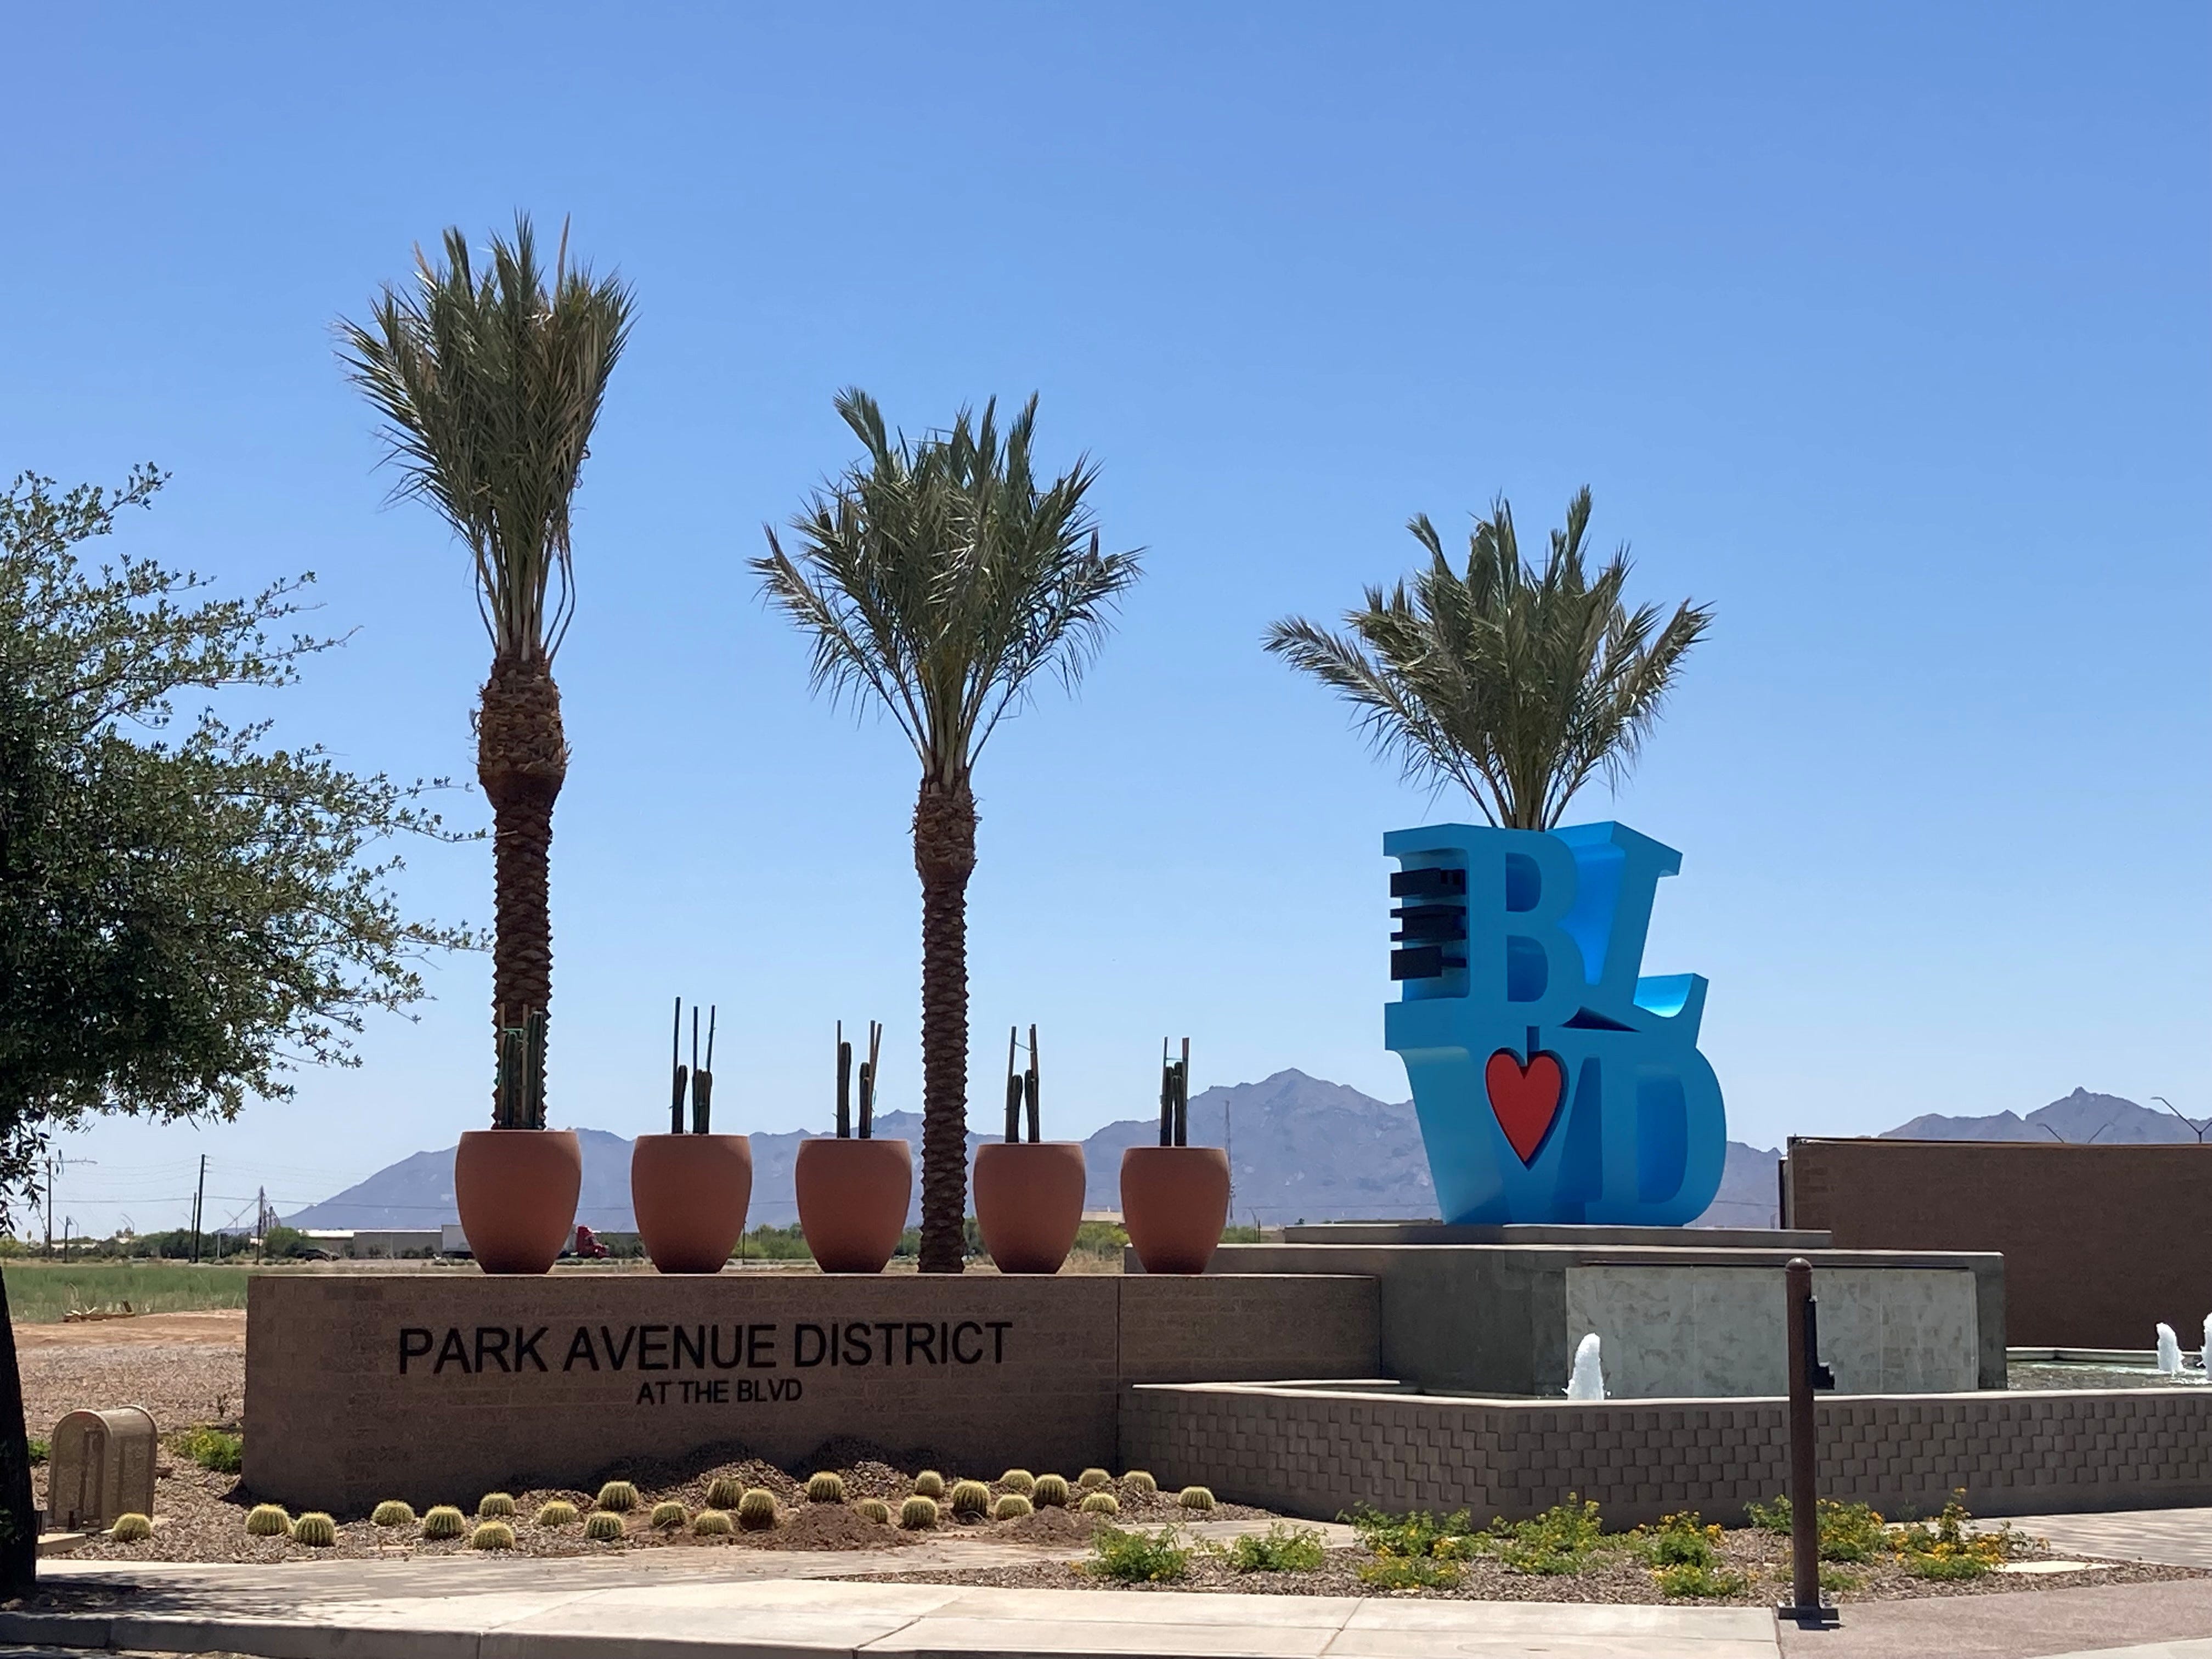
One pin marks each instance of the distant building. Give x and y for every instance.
(375, 1244)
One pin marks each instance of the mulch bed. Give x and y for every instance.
(1615, 1575)
(202, 1515)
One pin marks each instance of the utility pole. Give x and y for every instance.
(260, 1224)
(199, 1197)
(50, 1203)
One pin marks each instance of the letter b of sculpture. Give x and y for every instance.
(1553, 1081)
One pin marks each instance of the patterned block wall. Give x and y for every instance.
(1317, 1453)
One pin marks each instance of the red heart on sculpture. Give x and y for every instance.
(1526, 1099)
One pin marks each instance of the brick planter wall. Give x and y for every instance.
(1317, 1453)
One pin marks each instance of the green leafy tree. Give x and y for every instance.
(1515, 683)
(489, 381)
(939, 577)
(188, 914)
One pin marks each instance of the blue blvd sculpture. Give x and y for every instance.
(1553, 1081)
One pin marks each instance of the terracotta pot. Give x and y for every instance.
(517, 1192)
(690, 1194)
(853, 1198)
(1029, 1202)
(1174, 1200)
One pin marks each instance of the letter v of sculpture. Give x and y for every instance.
(1552, 1083)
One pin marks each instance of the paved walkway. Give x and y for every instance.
(2114, 1621)
(650, 1607)
(2179, 1538)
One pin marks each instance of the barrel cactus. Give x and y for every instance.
(711, 1523)
(826, 1487)
(1012, 1507)
(918, 1513)
(1050, 1493)
(929, 1483)
(1094, 1479)
(724, 1490)
(666, 1516)
(492, 1535)
(268, 1521)
(1140, 1482)
(442, 1520)
(970, 1499)
(756, 1510)
(875, 1510)
(556, 1512)
(1018, 1481)
(392, 1513)
(315, 1529)
(131, 1528)
(1197, 1499)
(1100, 1503)
(604, 1527)
(618, 1497)
(496, 1506)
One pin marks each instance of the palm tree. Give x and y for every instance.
(939, 577)
(1517, 684)
(489, 382)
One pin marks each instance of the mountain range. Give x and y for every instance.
(1301, 1149)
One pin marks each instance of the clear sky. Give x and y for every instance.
(1882, 329)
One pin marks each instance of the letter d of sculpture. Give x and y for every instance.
(1554, 1084)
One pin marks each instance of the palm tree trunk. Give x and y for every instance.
(944, 857)
(522, 757)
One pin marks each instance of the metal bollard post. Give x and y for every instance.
(1806, 1373)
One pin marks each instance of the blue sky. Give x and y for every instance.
(1883, 331)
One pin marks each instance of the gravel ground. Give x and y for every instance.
(1614, 1575)
(182, 1384)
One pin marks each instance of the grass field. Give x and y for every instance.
(41, 1293)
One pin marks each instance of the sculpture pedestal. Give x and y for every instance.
(1680, 1311)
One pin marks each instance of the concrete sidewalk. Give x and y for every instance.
(620, 1610)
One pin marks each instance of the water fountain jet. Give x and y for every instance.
(2169, 1351)
(1587, 1381)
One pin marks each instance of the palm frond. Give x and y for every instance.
(938, 576)
(1517, 683)
(490, 380)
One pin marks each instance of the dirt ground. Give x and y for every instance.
(187, 1369)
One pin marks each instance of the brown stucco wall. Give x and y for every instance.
(364, 1386)
(2099, 1243)
(1318, 1453)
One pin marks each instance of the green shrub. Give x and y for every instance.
(492, 1535)
(723, 1491)
(556, 1512)
(268, 1521)
(39, 1450)
(1094, 1479)
(1012, 1507)
(666, 1516)
(1395, 1573)
(929, 1483)
(215, 1450)
(826, 1487)
(873, 1508)
(392, 1513)
(1947, 1549)
(712, 1523)
(1140, 1482)
(1412, 1536)
(1019, 1480)
(1560, 1541)
(1099, 1503)
(1050, 1493)
(1280, 1549)
(1931, 1564)
(604, 1527)
(1139, 1557)
(1835, 1578)
(496, 1506)
(1680, 1540)
(1848, 1532)
(618, 1497)
(918, 1513)
(1699, 1581)
(442, 1520)
(132, 1529)
(1769, 1517)
(970, 1498)
(756, 1510)
(1196, 1498)
(315, 1529)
